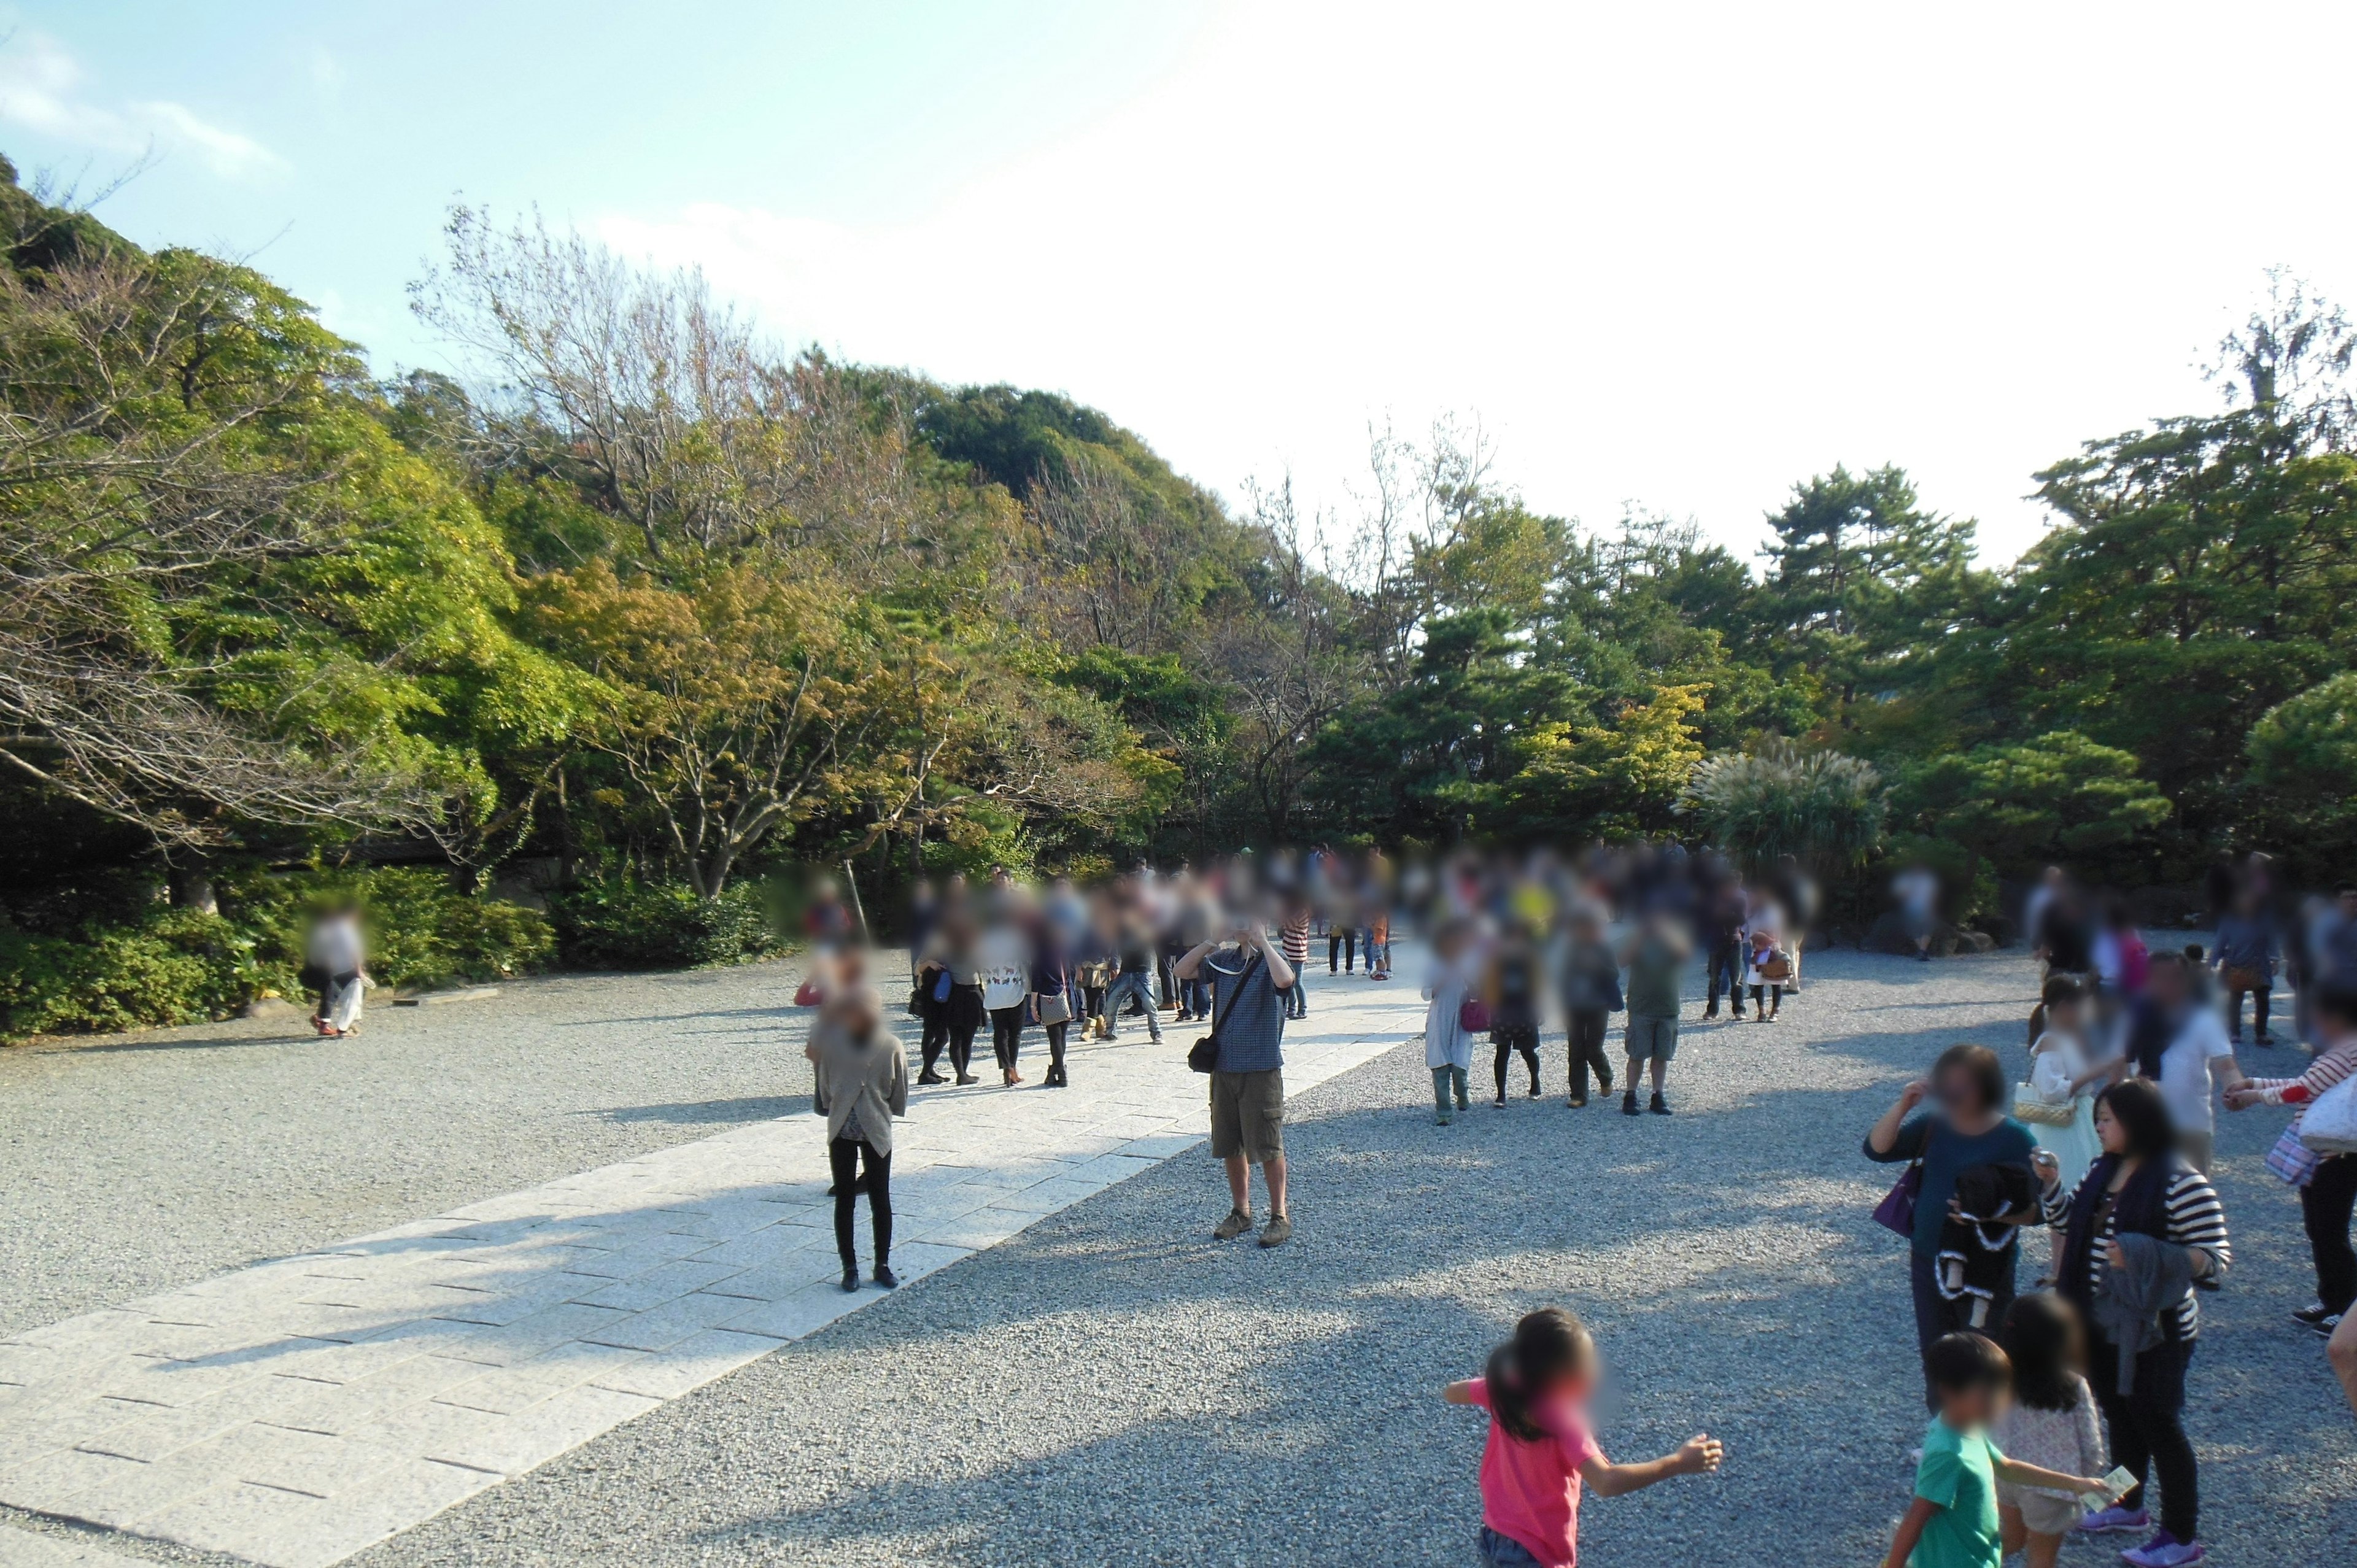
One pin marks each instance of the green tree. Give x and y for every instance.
(2058, 798)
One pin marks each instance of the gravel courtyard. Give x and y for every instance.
(1111, 1387)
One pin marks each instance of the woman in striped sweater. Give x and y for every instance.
(2327, 1182)
(2141, 1186)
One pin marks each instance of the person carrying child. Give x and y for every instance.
(1541, 1451)
(1954, 1521)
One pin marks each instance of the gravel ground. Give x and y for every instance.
(137, 1162)
(1111, 1387)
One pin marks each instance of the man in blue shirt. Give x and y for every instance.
(1249, 978)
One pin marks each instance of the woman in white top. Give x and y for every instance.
(1003, 957)
(2061, 1074)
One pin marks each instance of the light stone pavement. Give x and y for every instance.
(296, 1412)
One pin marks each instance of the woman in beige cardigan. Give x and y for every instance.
(861, 1076)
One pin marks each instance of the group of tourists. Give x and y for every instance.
(2102, 1136)
(2107, 1143)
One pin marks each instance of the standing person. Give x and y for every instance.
(2245, 957)
(338, 956)
(1379, 942)
(924, 910)
(1724, 914)
(2327, 1182)
(1052, 998)
(2053, 1422)
(1916, 893)
(2033, 915)
(1294, 930)
(1796, 892)
(1764, 968)
(1100, 955)
(1448, 1048)
(1965, 1126)
(2166, 1035)
(1139, 948)
(2064, 1071)
(1954, 1521)
(1342, 920)
(1248, 981)
(1590, 986)
(1199, 917)
(1005, 963)
(1541, 1449)
(1655, 958)
(1511, 987)
(2065, 938)
(955, 964)
(861, 1082)
(2141, 1228)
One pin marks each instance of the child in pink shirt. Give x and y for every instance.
(1540, 1448)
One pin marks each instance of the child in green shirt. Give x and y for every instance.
(1953, 1523)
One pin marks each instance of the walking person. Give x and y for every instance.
(1590, 988)
(1249, 978)
(1541, 1451)
(2065, 1075)
(1294, 931)
(1138, 948)
(2327, 1182)
(1655, 958)
(2245, 957)
(1724, 910)
(951, 976)
(1764, 969)
(1004, 959)
(1511, 990)
(337, 959)
(1447, 1044)
(1964, 1127)
(1053, 994)
(860, 1082)
(2141, 1228)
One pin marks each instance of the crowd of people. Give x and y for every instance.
(2103, 1135)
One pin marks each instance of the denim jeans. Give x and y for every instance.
(1140, 984)
(1504, 1552)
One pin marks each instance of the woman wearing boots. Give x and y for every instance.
(1052, 1001)
(951, 981)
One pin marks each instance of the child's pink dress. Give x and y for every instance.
(1531, 1490)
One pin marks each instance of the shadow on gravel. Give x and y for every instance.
(762, 1107)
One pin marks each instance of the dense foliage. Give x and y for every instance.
(663, 616)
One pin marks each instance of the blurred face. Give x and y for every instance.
(2064, 1015)
(2167, 984)
(1965, 1408)
(1959, 1093)
(2109, 1130)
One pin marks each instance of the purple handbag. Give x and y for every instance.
(1896, 1210)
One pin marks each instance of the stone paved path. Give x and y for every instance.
(294, 1413)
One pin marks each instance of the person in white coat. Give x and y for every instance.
(337, 957)
(1447, 1043)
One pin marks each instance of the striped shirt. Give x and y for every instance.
(2334, 1066)
(1295, 935)
(2194, 1218)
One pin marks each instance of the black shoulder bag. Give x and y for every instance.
(1203, 1056)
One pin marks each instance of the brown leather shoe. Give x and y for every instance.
(1234, 1225)
(1276, 1233)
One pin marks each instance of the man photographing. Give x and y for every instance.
(1248, 978)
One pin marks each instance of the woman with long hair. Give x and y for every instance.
(2141, 1209)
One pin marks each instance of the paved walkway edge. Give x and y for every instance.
(297, 1412)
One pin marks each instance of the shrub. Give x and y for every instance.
(620, 922)
(128, 967)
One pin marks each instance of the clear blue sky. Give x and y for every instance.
(1677, 256)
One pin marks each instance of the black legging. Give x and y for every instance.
(1775, 1002)
(1343, 942)
(2325, 1204)
(845, 1155)
(1056, 1073)
(965, 1014)
(1588, 1051)
(935, 1016)
(2147, 1428)
(1512, 1038)
(1007, 1035)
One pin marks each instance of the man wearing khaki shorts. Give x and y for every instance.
(1249, 978)
(1656, 957)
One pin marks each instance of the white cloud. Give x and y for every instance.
(44, 89)
(1683, 255)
